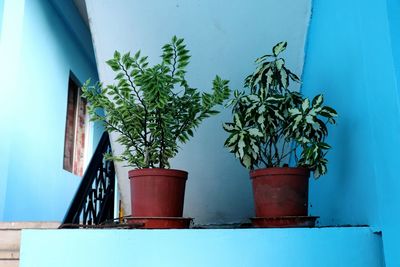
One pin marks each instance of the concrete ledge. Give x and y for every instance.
(352, 246)
(10, 240)
(9, 263)
(28, 225)
(9, 255)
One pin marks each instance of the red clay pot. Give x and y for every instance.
(280, 191)
(157, 192)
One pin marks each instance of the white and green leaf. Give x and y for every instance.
(255, 132)
(279, 48)
(305, 105)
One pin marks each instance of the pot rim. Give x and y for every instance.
(136, 173)
(273, 171)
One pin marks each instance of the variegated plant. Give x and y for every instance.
(273, 126)
(153, 108)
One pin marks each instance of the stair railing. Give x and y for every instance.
(93, 203)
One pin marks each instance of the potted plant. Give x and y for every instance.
(154, 110)
(280, 136)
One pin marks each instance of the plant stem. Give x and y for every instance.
(270, 153)
(162, 141)
(174, 65)
(283, 150)
(123, 133)
(146, 144)
(278, 161)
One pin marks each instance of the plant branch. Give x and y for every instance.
(126, 134)
(183, 125)
(141, 101)
(174, 65)
(162, 141)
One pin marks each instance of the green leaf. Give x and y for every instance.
(246, 161)
(294, 111)
(293, 76)
(119, 76)
(261, 109)
(261, 120)
(328, 112)
(179, 41)
(241, 145)
(305, 105)
(113, 64)
(332, 121)
(236, 121)
(117, 55)
(279, 63)
(253, 98)
(142, 60)
(324, 145)
(278, 48)
(317, 101)
(228, 127)
(284, 79)
(310, 119)
(125, 58)
(232, 139)
(255, 132)
(303, 140)
(261, 59)
(136, 56)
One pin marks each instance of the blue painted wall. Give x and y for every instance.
(37, 187)
(10, 50)
(1, 13)
(353, 58)
(329, 247)
(393, 9)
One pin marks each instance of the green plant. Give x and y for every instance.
(275, 127)
(153, 108)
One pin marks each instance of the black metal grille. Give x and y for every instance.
(93, 203)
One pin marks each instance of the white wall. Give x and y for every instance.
(224, 38)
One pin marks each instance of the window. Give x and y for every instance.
(75, 130)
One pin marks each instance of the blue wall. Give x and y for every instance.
(37, 187)
(327, 247)
(1, 14)
(393, 8)
(10, 46)
(350, 59)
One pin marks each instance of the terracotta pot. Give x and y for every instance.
(280, 191)
(157, 192)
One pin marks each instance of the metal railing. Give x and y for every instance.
(93, 203)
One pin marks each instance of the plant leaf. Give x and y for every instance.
(278, 48)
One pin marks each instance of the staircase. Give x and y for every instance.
(93, 203)
(10, 234)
